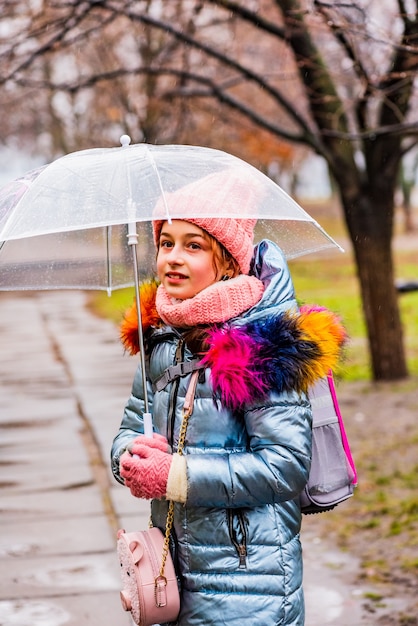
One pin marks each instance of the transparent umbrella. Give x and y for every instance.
(70, 224)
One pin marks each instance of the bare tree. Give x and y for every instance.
(338, 78)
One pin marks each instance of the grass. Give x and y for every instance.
(382, 520)
(114, 306)
(329, 281)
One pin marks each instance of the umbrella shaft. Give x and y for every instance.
(140, 332)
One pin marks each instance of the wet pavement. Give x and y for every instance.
(64, 381)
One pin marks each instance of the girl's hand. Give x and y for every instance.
(146, 473)
(157, 441)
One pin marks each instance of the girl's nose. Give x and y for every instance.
(174, 256)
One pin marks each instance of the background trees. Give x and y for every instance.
(336, 78)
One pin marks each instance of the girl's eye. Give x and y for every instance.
(165, 243)
(194, 246)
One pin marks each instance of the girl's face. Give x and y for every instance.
(185, 259)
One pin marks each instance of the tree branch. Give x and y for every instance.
(212, 90)
(250, 16)
(392, 130)
(341, 35)
(63, 27)
(226, 61)
(398, 83)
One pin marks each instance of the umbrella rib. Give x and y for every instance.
(157, 173)
(109, 264)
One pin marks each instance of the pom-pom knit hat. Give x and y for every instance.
(209, 195)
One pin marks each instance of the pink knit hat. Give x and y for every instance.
(209, 195)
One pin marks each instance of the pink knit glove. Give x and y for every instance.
(146, 472)
(156, 441)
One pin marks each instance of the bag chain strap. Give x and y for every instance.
(187, 411)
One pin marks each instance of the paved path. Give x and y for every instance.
(63, 383)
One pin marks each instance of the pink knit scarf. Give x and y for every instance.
(217, 303)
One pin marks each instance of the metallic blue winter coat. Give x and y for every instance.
(236, 541)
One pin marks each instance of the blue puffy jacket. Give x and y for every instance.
(236, 541)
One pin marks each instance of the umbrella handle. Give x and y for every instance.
(148, 430)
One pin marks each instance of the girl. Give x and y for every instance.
(228, 310)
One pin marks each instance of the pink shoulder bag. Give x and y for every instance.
(150, 589)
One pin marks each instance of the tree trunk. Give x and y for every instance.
(370, 227)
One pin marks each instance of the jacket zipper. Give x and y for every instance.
(179, 357)
(240, 546)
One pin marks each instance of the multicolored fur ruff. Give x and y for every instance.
(149, 317)
(281, 353)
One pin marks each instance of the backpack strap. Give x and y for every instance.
(176, 371)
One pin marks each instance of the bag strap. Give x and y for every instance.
(346, 445)
(187, 411)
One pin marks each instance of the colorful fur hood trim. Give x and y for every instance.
(149, 317)
(280, 353)
(283, 352)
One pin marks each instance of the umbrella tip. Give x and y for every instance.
(125, 140)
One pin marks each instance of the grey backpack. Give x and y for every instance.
(333, 475)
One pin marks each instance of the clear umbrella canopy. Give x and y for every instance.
(70, 224)
(64, 225)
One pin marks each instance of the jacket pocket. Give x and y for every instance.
(238, 535)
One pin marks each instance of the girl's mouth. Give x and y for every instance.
(175, 276)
